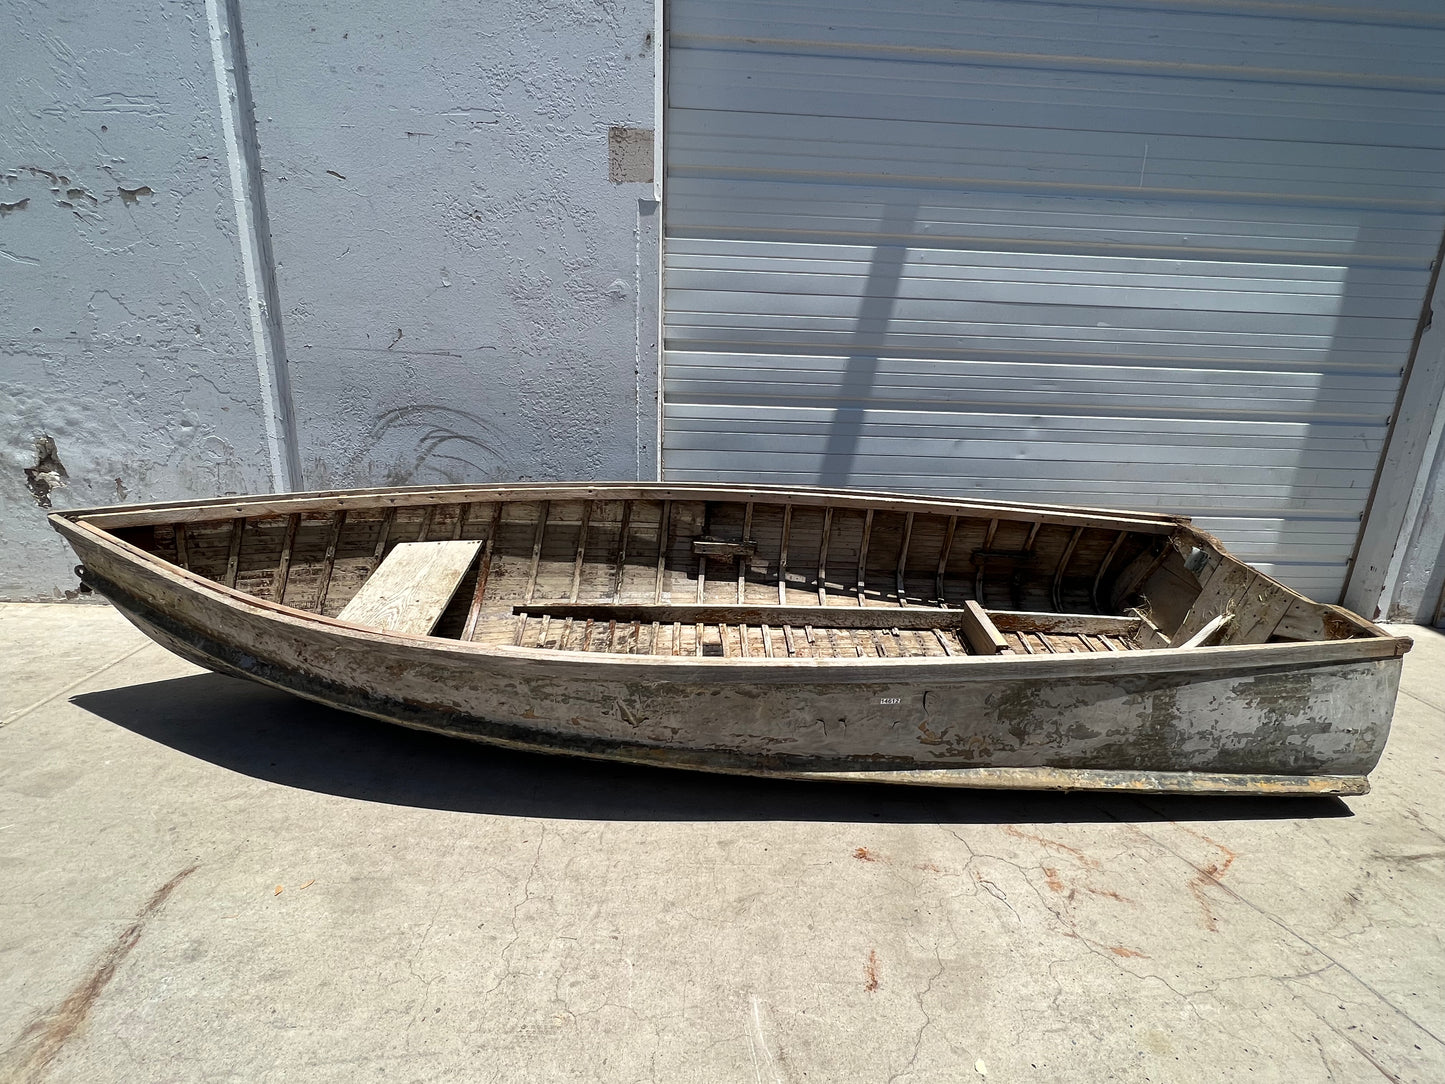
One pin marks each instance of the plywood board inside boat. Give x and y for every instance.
(412, 587)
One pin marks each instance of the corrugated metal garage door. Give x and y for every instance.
(1163, 255)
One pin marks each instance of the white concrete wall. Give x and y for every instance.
(123, 333)
(459, 280)
(459, 293)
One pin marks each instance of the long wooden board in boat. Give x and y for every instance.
(769, 630)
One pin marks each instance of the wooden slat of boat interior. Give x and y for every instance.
(479, 586)
(233, 559)
(584, 545)
(283, 561)
(328, 562)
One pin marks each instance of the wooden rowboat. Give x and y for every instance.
(770, 631)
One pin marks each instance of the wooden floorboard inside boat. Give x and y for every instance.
(769, 551)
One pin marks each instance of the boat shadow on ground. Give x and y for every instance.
(271, 735)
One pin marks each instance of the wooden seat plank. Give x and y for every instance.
(983, 635)
(412, 587)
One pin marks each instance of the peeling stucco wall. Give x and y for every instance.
(124, 356)
(463, 291)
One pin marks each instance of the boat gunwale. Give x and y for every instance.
(280, 504)
(1382, 645)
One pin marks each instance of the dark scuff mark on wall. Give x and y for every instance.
(131, 196)
(49, 472)
(18, 205)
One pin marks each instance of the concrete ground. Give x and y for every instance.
(207, 880)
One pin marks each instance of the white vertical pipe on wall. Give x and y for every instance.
(236, 119)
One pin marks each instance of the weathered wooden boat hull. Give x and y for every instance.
(1278, 718)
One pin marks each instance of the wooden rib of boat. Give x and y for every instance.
(770, 631)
